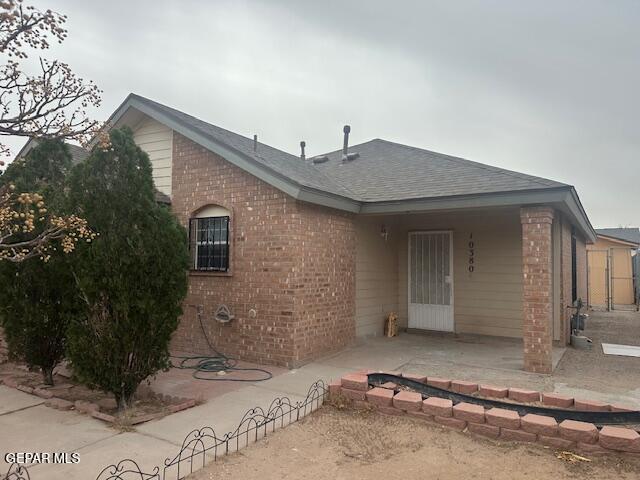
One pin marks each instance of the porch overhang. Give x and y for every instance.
(564, 199)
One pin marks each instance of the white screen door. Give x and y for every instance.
(430, 281)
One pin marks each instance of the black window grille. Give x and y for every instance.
(209, 243)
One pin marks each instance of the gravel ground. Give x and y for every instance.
(592, 369)
(334, 444)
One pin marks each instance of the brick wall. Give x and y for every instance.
(325, 293)
(291, 265)
(537, 299)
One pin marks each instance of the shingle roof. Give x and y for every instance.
(387, 177)
(283, 163)
(628, 234)
(391, 171)
(385, 171)
(78, 154)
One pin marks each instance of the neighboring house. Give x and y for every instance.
(612, 262)
(310, 253)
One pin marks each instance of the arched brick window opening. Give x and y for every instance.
(209, 235)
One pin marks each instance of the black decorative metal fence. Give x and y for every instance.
(203, 445)
(17, 472)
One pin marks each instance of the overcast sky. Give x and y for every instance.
(550, 88)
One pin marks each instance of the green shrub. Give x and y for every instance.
(132, 279)
(38, 299)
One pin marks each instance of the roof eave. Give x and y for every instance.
(264, 173)
(618, 240)
(576, 210)
(563, 198)
(26, 148)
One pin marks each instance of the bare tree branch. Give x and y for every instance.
(50, 103)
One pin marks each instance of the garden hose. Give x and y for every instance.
(218, 364)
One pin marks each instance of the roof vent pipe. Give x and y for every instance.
(347, 157)
(302, 145)
(255, 143)
(322, 159)
(345, 145)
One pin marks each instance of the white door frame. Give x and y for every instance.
(413, 232)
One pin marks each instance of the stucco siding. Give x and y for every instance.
(156, 139)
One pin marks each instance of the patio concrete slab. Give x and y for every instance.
(180, 382)
(435, 348)
(13, 400)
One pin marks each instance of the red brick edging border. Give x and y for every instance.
(93, 409)
(496, 423)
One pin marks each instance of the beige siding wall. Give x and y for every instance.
(489, 300)
(156, 140)
(376, 275)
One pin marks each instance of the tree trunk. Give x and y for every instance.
(124, 401)
(47, 375)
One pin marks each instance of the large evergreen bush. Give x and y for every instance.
(39, 298)
(133, 278)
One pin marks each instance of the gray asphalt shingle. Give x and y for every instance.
(631, 234)
(384, 171)
(391, 171)
(282, 163)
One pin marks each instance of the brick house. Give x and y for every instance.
(310, 253)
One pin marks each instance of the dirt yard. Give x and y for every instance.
(592, 369)
(334, 444)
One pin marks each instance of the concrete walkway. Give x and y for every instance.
(27, 425)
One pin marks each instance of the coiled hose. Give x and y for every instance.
(205, 365)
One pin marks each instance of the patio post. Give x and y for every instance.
(537, 283)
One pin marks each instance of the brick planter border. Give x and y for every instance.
(495, 423)
(93, 409)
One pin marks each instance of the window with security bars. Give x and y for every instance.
(209, 244)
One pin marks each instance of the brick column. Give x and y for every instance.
(537, 281)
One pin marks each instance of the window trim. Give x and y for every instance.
(193, 244)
